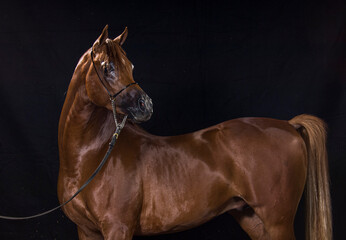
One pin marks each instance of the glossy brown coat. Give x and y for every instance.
(252, 168)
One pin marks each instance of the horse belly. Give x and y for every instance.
(173, 210)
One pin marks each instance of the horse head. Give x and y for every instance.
(111, 75)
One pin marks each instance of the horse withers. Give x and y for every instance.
(256, 169)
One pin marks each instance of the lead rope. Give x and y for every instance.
(117, 125)
(118, 128)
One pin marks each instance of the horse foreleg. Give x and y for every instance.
(117, 231)
(87, 234)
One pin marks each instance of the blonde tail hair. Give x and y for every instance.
(318, 202)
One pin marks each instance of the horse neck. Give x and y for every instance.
(83, 126)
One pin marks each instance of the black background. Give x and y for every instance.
(202, 62)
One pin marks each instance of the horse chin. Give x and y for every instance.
(138, 118)
(135, 121)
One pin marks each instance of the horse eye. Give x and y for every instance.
(104, 66)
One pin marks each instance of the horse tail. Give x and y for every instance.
(318, 202)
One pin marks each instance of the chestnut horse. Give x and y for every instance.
(255, 169)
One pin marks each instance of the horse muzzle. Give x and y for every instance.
(143, 110)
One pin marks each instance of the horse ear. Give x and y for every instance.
(122, 37)
(102, 38)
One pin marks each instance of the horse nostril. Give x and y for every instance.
(141, 104)
(145, 104)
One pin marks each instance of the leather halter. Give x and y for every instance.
(111, 97)
(103, 84)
